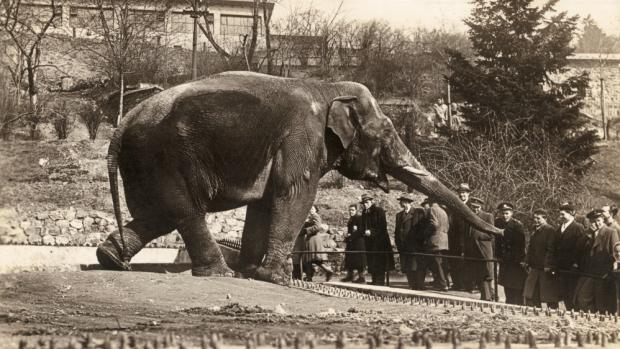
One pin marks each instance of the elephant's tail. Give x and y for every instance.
(113, 153)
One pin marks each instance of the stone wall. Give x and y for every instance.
(76, 226)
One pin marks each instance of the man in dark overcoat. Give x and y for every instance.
(354, 243)
(406, 231)
(541, 285)
(595, 291)
(570, 245)
(461, 278)
(510, 251)
(374, 226)
(478, 244)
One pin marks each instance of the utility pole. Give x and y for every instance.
(195, 14)
(605, 135)
(449, 108)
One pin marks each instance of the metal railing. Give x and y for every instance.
(413, 254)
(495, 262)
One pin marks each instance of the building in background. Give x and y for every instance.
(169, 22)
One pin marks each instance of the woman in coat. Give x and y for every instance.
(355, 243)
(314, 235)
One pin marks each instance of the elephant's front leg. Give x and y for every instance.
(291, 197)
(206, 256)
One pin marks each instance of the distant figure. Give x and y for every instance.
(441, 109)
(355, 243)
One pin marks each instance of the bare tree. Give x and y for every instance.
(26, 30)
(124, 36)
(248, 47)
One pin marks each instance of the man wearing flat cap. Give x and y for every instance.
(459, 228)
(571, 239)
(595, 288)
(478, 244)
(374, 226)
(408, 237)
(511, 252)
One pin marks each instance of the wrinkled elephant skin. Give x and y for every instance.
(240, 138)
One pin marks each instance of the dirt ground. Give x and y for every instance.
(103, 303)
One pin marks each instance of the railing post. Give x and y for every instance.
(495, 281)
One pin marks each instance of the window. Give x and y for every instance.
(238, 25)
(184, 23)
(88, 18)
(38, 15)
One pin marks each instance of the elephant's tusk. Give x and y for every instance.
(415, 171)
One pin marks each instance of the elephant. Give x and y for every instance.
(247, 139)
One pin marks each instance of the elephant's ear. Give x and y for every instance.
(342, 119)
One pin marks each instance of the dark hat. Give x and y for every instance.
(505, 206)
(366, 197)
(463, 187)
(566, 206)
(595, 214)
(476, 201)
(406, 197)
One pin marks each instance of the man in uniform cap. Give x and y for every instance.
(595, 290)
(408, 237)
(571, 239)
(374, 226)
(541, 284)
(478, 244)
(459, 227)
(511, 252)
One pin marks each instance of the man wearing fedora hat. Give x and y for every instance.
(406, 229)
(456, 235)
(569, 249)
(595, 292)
(374, 226)
(478, 244)
(511, 252)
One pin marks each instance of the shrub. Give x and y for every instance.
(62, 121)
(92, 116)
(529, 173)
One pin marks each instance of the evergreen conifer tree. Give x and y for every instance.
(518, 87)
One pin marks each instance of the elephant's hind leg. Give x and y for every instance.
(255, 236)
(206, 256)
(137, 234)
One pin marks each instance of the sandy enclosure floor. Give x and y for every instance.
(104, 303)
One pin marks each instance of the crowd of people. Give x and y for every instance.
(576, 263)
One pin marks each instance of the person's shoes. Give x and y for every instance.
(347, 278)
(328, 275)
(442, 289)
(360, 280)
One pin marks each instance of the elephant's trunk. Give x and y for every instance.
(409, 171)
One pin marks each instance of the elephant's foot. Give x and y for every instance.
(109, 257)
(276, 275)
(218, 269)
